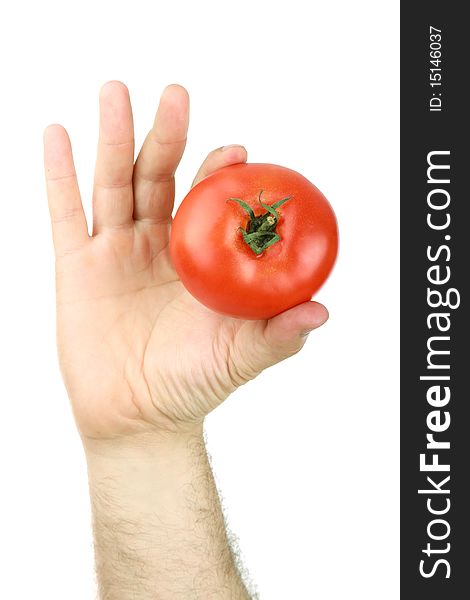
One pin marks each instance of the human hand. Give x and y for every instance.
(137, 352)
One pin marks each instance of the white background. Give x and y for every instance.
(306, 456)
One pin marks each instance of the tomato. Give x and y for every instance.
(252, 240)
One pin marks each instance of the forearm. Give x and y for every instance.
(158, 525)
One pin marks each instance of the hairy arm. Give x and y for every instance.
(158, 524)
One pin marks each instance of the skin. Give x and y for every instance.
(144, 362)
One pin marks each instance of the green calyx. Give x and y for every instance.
(260, 232)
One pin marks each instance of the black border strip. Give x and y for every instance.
(430, 254)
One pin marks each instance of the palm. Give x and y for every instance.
(136, 350)
(142, 343)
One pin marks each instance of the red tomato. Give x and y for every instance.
(252, 240)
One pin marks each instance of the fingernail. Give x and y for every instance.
(231, 146)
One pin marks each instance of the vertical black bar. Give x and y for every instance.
(434, 257)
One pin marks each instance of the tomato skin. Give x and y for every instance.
(221, 271)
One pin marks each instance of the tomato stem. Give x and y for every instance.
(260, 232)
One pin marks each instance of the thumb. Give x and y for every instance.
(265, 343)
(286, 333)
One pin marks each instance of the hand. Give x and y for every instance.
(137, 352)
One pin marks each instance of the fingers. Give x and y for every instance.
(287, 332)
(154, 184)
(222, 157)
(112, 191)
(69, 228)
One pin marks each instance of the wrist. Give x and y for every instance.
(147, 445)
(132, 478)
